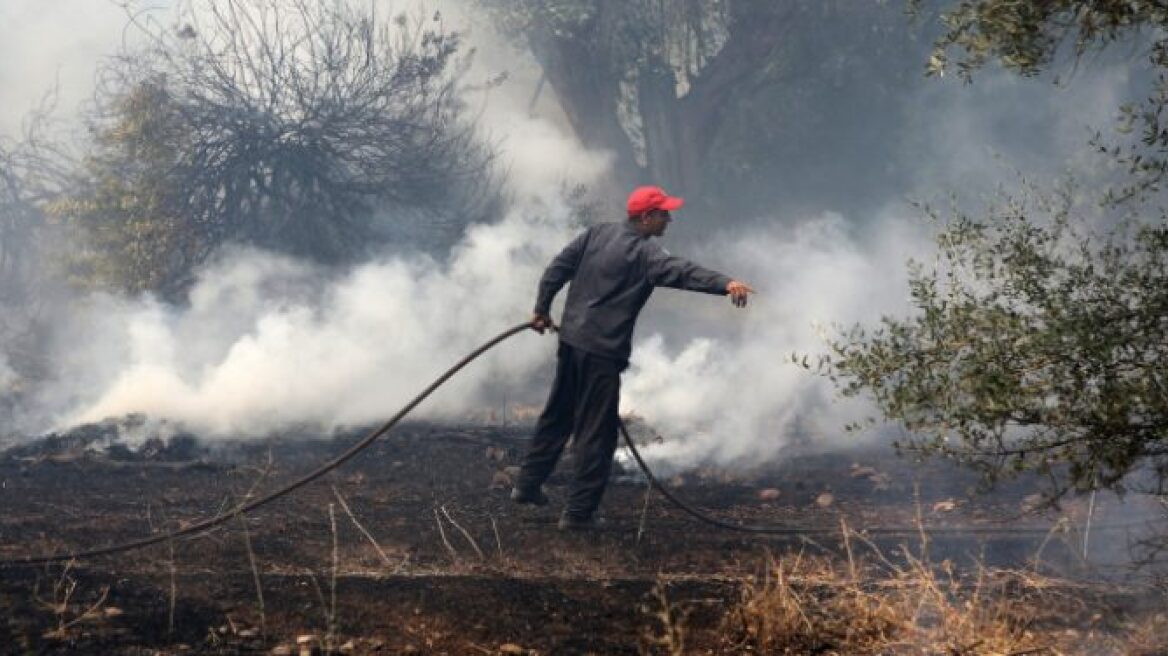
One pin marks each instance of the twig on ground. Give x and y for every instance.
(62, 592)
(173, 569)
(367, 534)
(644, 513)
(400, 566)
(332, 625)
(64, 627)
(259, 479)
(465, 534)
(442, 533)
(1060, 526)
(319, 596)
(1087, 530)
(255, 574)
(498, 540)
(848, 546)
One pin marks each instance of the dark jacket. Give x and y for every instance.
(613, 270)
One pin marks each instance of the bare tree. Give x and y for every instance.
(293, 125)
(33, 170)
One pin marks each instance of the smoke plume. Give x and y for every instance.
(266, 343)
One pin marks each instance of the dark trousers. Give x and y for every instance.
(583, 402)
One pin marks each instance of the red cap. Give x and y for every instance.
(644, 199)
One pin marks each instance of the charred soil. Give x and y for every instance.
(414, 547)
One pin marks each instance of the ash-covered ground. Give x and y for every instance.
(414, 547)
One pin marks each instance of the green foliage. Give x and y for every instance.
(1037, 345)
(1032, 347)
(1026, 36)
(129, 200)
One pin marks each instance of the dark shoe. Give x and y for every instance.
(574, 523)
(534, 497)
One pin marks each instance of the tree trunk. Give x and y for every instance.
(678, 132)
(588, 91)
(670, 153)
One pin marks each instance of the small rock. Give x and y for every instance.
(306, 639)
(1032, 502)
(769, 494)
(863, 472)
(525, 412)
(825, 499)
(113, 611)
(512, 471)
(501, 480)
(281, 650)
(948, 505)
(511, 648)
(347, 648)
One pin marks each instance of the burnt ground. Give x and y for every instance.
(449, 565)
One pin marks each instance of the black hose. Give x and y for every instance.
(694, 512)
(793, 530)
(207, 524)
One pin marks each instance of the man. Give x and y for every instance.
(613, 268)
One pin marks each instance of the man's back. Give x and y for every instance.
(613, 269)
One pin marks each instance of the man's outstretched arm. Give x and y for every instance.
(667, 270)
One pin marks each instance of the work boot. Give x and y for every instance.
(576, 523)
(534, 497)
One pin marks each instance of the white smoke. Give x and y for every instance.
(47, 45)
(7, 375)
(263, 347)
(737, 396)
(267, 343)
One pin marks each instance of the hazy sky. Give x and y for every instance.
(43, 43)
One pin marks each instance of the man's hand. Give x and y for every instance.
(738, 292)
(542, 322)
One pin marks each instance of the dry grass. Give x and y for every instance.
(825, 604)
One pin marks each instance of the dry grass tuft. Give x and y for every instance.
(826, 604)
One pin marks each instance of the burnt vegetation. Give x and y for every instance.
(414, 547)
